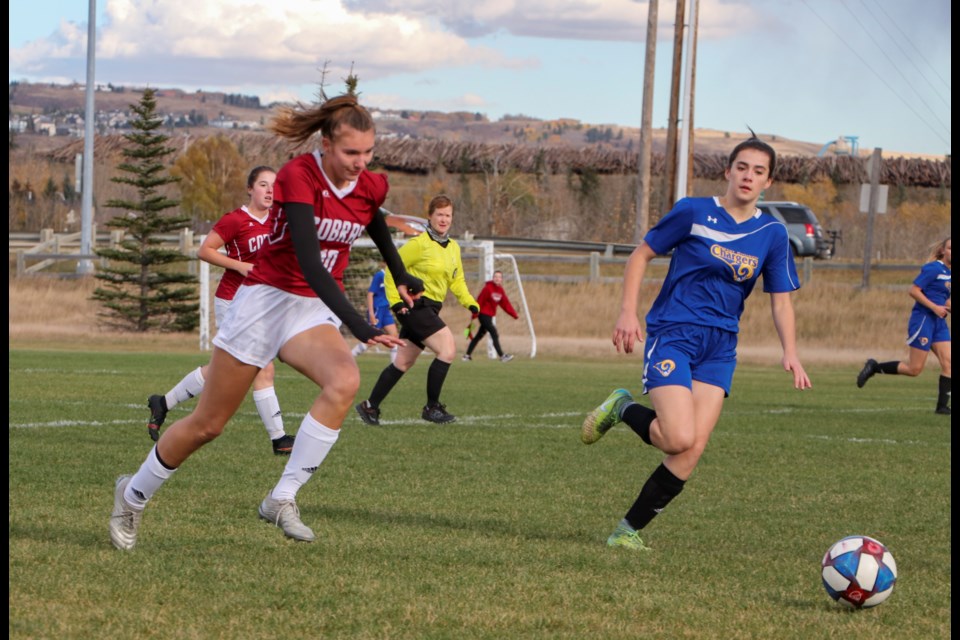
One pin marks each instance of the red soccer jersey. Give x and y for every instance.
(242, 235)
(493, 296)
(339, 221)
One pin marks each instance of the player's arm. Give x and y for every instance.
(785, 321)
(407, 285)
(627, 330)
(371, 312)
(303, 234)
(917, 294)
(209, 251)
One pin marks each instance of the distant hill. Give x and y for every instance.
(209, 106)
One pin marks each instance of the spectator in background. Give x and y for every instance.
(491, 296)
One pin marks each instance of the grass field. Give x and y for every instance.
(492, 527)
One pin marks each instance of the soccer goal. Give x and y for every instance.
(480, 261)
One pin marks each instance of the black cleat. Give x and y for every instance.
(944, 411)
(158, 413)
(369, 413)
(283, 445)
(436, 412)
(870, 368)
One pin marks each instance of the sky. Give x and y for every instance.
(808, 70)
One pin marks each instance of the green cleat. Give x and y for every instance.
(624, 536)
(605, 416)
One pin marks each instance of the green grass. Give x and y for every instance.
(492, 527)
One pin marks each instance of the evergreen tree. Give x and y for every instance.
(143, 287)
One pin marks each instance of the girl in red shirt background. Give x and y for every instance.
(491, 296)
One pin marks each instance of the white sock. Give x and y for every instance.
(269, 409)
(312, 445)
(145, 482)
(393, 355)
(189, 387)
(360, 348)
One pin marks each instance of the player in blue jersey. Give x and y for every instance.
(927, 330)
(378, 312)
(720, 246)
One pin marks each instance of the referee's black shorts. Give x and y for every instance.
(421, 322)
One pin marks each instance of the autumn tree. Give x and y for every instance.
(143, 288)
(212, 175)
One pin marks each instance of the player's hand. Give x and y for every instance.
(627, 332)
(801, 380)
(941, 311)
(386, 340)
(401, 308)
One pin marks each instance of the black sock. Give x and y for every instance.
(388, 378)
(435, 377)
(638, 417)
(943, 399)
(661, 487)
(889, 368)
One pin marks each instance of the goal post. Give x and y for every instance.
(523, 338)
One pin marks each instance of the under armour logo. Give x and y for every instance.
(711, 219)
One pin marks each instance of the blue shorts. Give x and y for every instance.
(383, 315)
(925, 328)
(681, 354)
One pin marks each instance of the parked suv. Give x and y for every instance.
(806, 235)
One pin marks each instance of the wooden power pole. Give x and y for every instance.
(669, 183)
(646, 123)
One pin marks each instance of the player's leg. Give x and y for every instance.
(321, 355)
(190, 386)
(268, 406)
(369, 409)
(481, 332)
(443, 344)
(943, 352)
(228, 380)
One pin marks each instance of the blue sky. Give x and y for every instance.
(810, 70)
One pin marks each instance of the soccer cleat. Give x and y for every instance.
(466, 357)
(624, 536)
(158, 413)
(283, 445)
(944, 411)
(124, 521)
(506, 357)
(436, 412)
(369, 413)
(601, 419)
(286, 515)
(870, 369)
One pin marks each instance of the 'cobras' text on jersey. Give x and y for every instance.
(243, 234)
(340, 217)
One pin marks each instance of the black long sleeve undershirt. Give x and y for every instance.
(379, 232)
(303, 234)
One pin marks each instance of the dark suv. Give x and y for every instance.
(806, 235)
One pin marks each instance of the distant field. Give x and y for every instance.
(492, 527)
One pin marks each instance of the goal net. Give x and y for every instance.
(480, 261)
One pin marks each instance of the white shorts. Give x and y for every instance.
(220, 307)
(261, 319)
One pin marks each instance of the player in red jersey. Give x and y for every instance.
(291, 305)
(240, 233)
(491, 296)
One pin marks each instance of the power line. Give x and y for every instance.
(895, 67)
(907, 38)
(867, 65)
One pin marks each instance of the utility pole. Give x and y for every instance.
(85, 265)
(669, 185)
(874, 161)
(687, 136)
(646, 126)
(691, 127)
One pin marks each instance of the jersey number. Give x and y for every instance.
(329, 258)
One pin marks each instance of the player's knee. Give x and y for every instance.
(911, 370)
(676, 441)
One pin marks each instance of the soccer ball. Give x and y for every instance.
(858, 572)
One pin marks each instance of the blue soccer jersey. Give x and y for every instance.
(934, 282)
(715, 264)
(378, 290)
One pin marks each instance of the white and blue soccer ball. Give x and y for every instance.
(858, 572)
